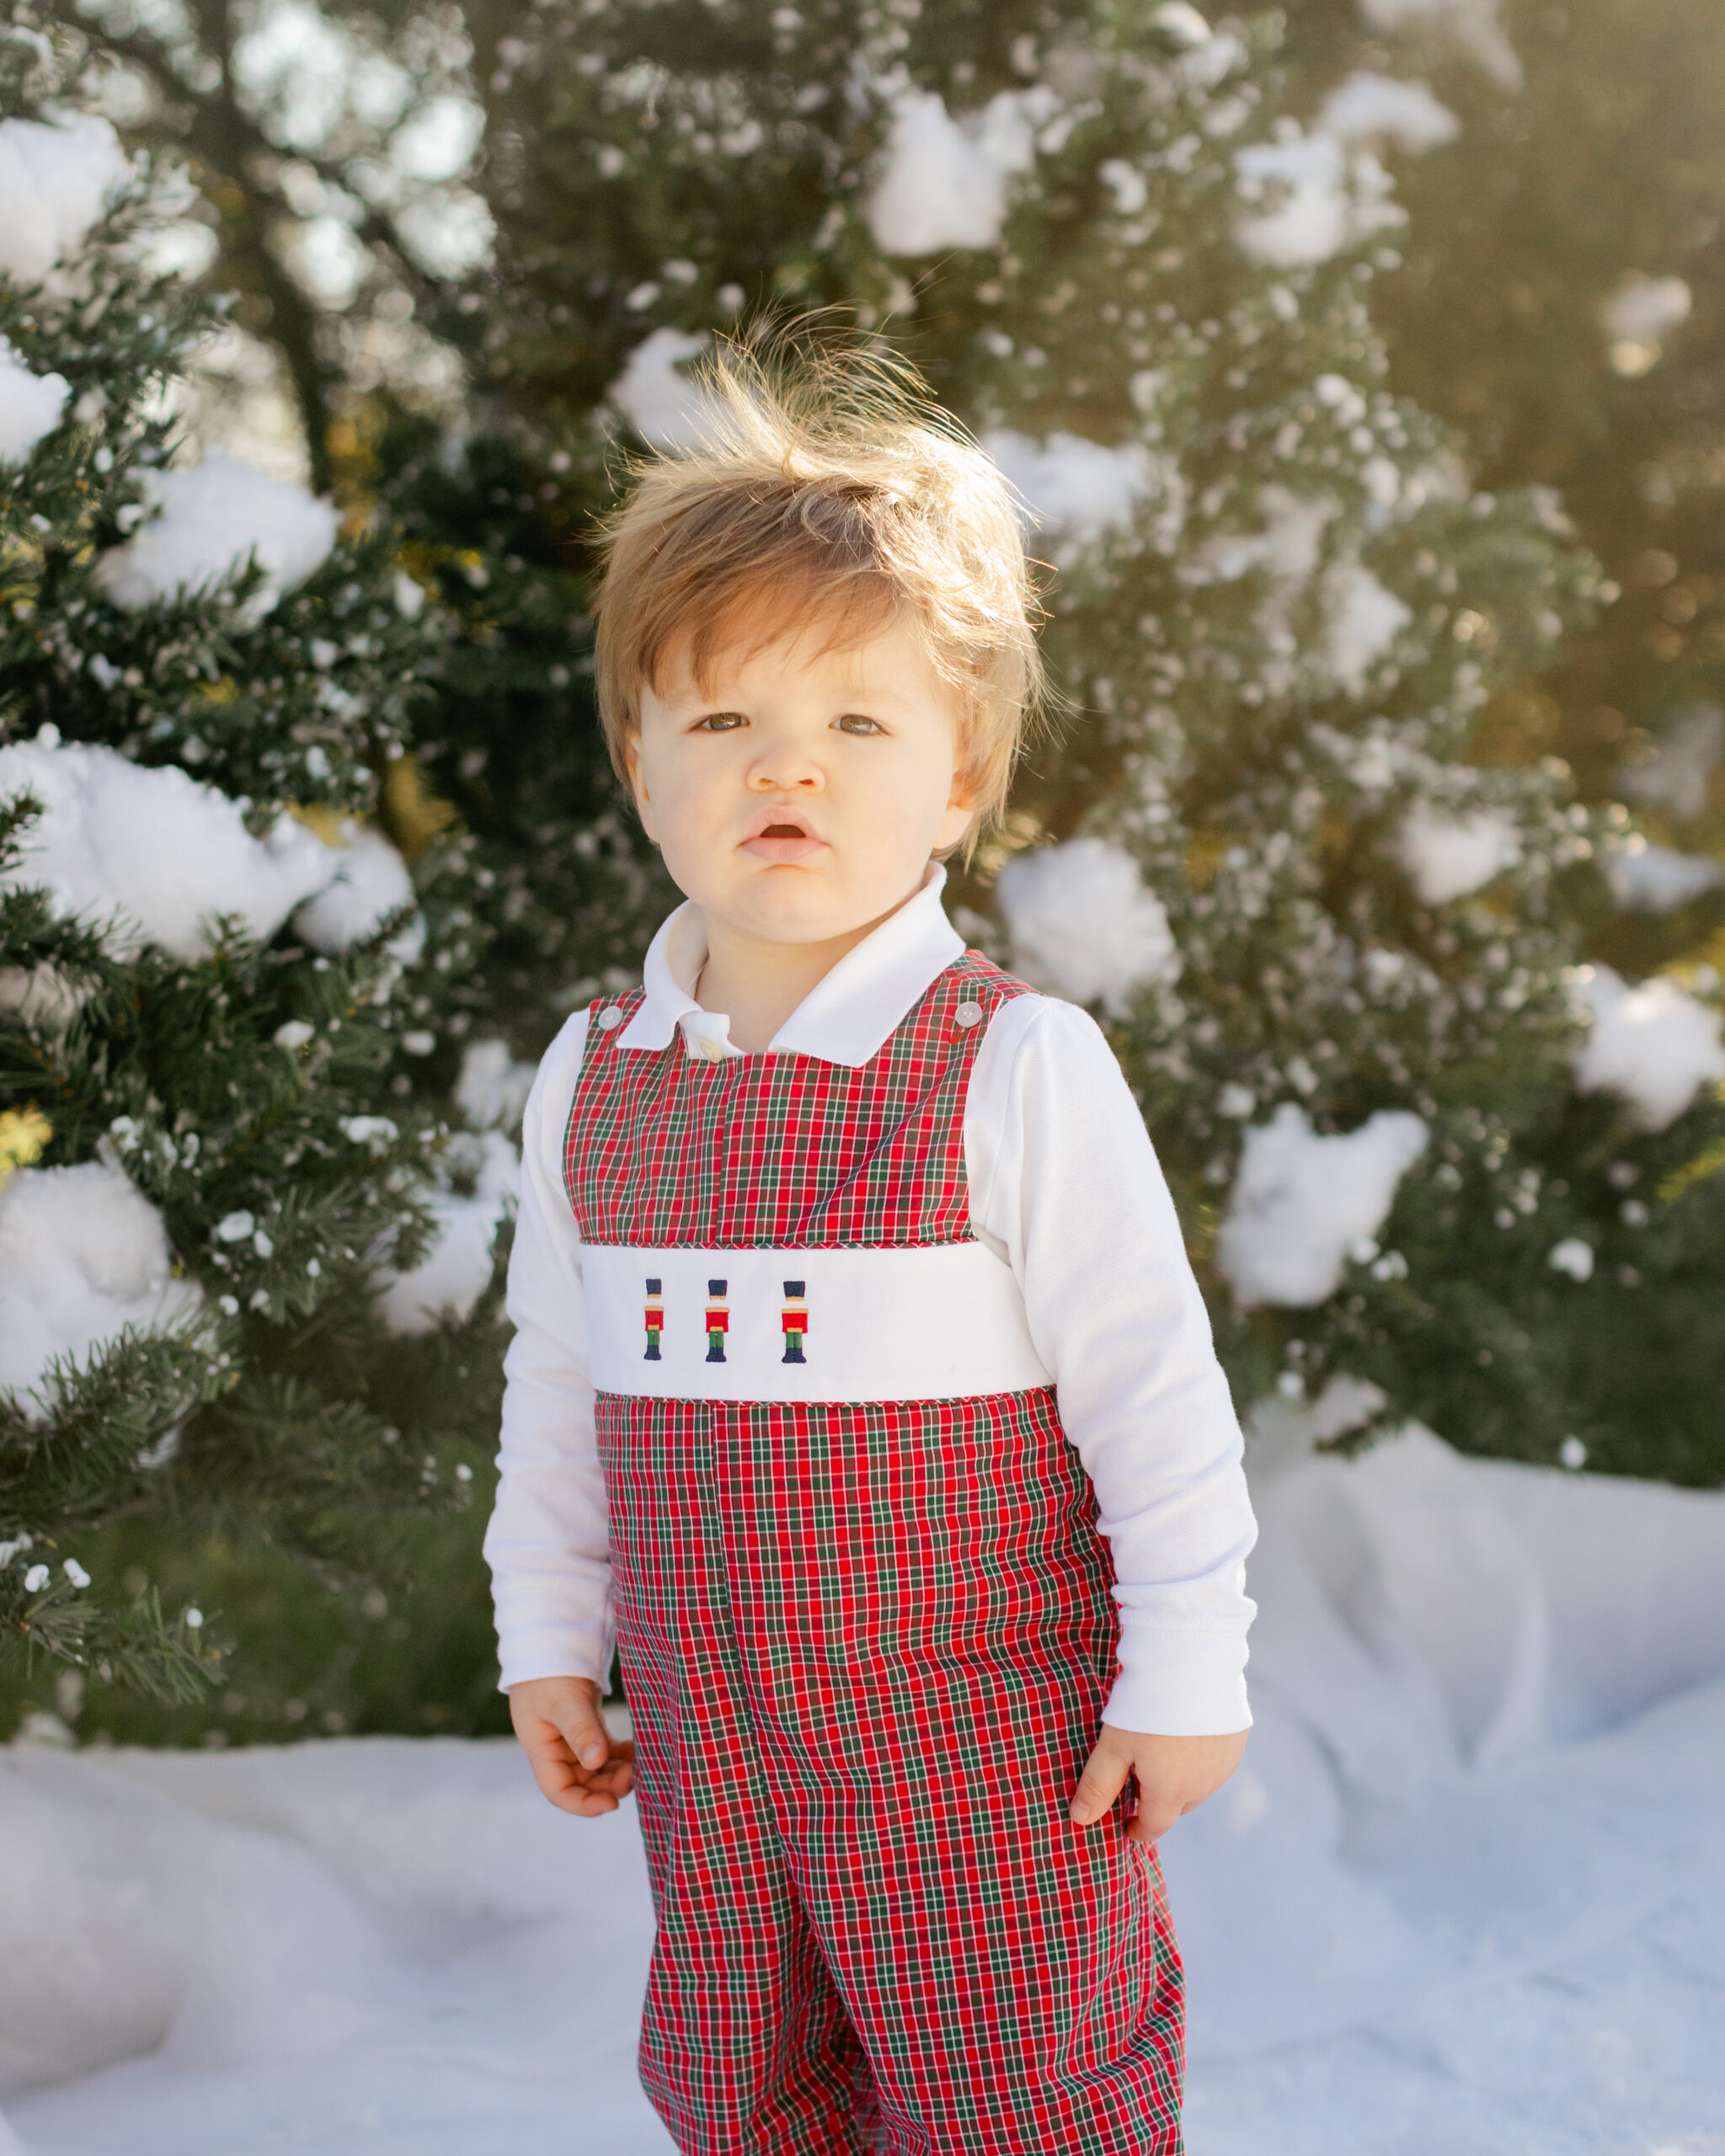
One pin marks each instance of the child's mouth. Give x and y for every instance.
(784, 839)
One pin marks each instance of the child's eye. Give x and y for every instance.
(854, 721)
(720, 722)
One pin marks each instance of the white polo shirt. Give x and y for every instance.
(1075, 1219)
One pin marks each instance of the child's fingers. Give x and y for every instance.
(572, 1787)
(582, 1727)
(1156, 1814)
(1099, 1785)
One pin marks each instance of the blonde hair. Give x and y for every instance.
(828, 488)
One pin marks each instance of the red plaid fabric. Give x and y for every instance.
(668, 1149)
(866, 1647)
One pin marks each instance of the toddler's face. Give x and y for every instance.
(802, 798)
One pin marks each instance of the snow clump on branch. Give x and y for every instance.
(1303, 1204)
(1370, 108)
(1447, 856)
(30, 405)
(55, 180)
(1655, 878)
(1331, 198)
(1366, 619)
(456, 1269)
(492, 1088)
(1083, 925)
(83, 1254)
(150, 855)
(944, 181)
(670, 413)
(369, 883)
(211, 521)
(1653, 1045)
(1086, 488)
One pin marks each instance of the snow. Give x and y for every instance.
(1333, 199)
(40, 997)
(1467, 1892)
(1644, 309)
(456, 1270)
(1365, 619)
(1679, 774)
(55, 180)
(1473, 23)
(1572, 1256)
(1302, 1205)
(942, 182)
(668, 412)
(83, 1254)
(151, 853)
(1083, 924)
(30, 405)
(211, 518)
(1447, 856)
(1653, 878)
(1370, 108)
(493, 1088)
(1654, 1045)
(1087, 488)
(1288, 548)
(370, 882)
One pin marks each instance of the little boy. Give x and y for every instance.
(861, 1388)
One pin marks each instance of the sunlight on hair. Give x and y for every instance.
(826, 491)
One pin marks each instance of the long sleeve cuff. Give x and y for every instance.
(550, 1649)
(1179, 1684)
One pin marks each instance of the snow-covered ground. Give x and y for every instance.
(1466, 1898)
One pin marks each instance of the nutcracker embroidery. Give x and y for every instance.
(795, 1320)
(655, 1319)
(718, 1321)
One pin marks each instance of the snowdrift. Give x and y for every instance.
(1467, 1893)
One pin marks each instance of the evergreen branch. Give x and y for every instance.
(135, 1646)
(80, 1457)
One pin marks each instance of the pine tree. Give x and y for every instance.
(1338, 942)
(1559, 302)
(245, 1264)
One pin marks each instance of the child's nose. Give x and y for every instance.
(783, 767)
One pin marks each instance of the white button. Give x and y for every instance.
(609, 1018)
(713, 1051)
(968, 1014)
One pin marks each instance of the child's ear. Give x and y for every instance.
(637, 784)
(960, 813)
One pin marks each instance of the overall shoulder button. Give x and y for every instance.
(610, 1017)
(967, 1015)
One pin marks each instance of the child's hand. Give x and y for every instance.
(1174, 1774)
(580, 1766)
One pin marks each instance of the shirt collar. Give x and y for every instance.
(845, 1019)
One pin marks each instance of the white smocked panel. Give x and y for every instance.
(931, 1321)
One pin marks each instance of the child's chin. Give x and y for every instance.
(781, 909)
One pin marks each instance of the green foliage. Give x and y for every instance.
(672, 170)
(1390, 425)
(268, 1103)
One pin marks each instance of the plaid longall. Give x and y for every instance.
(866, 1646)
